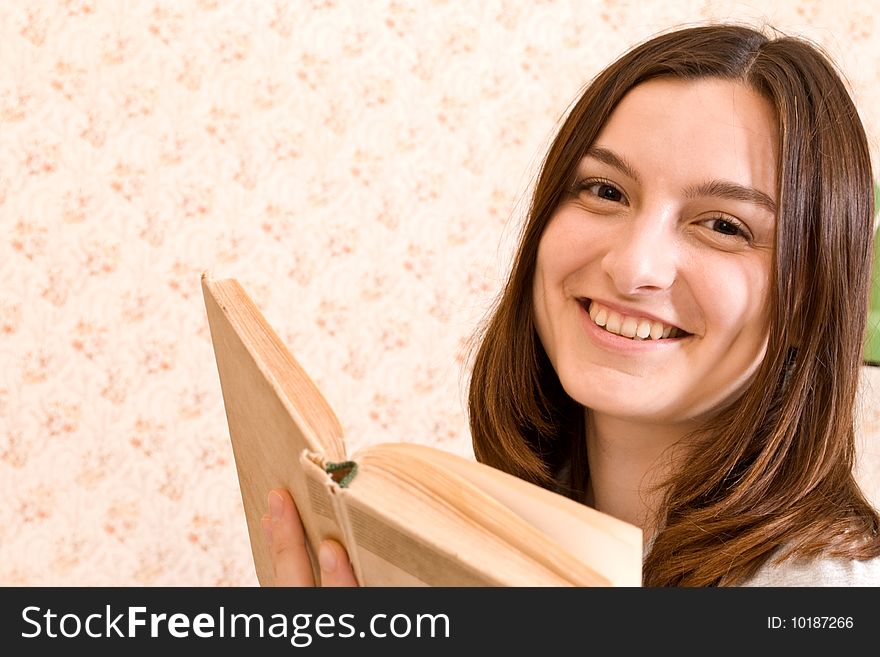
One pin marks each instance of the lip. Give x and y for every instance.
(631, 312)
(619, 344)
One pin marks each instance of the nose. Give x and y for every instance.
(643, 256)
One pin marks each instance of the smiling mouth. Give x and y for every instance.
(634, 328)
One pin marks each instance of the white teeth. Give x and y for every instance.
(630, 327)
(613, 322)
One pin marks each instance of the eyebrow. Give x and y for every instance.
(717, 188)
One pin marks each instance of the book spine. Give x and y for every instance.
(338, 497)
(328, 515)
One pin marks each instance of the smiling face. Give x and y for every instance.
(652, 278)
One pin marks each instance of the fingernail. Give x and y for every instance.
(276, 505)
(327, 558)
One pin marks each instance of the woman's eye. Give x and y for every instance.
(726, 227)
(601, 189)
(607, 192)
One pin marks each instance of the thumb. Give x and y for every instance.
(335, 567)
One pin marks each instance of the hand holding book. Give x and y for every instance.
(286, 539)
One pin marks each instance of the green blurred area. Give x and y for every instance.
(872, 343)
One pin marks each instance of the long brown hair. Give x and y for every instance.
(775, 469)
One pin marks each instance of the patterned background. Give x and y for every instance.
(361, 168)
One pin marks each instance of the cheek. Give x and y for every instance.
(569, 247)
(539, 305)
(542, 297)
(736, 302)
(559, 265)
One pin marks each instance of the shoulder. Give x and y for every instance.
(818, 572)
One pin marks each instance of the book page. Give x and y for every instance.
(610, 545)
(381, 553)
(404, 534)
(388, 556)
(443, 516)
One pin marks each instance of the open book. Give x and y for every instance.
(408, 514)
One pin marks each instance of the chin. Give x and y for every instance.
(627, 399)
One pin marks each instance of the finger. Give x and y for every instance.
(335, 567)
(287, 546)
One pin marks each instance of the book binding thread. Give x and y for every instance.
(343, 472)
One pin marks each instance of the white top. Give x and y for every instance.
(818, 572)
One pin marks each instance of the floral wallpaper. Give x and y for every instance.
(360, 167)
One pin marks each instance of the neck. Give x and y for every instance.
(628, 460)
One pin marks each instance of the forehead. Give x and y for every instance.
(705, 128)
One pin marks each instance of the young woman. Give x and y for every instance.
(680, 338)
